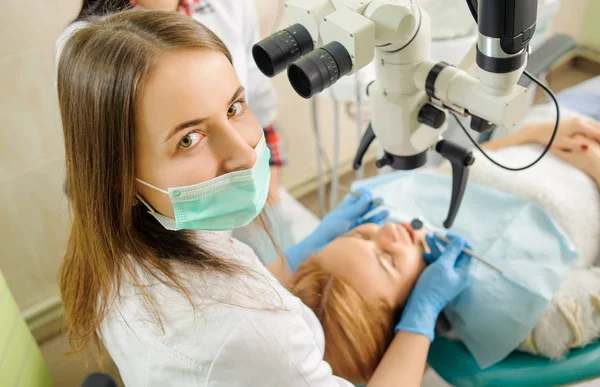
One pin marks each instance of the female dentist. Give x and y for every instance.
(235, 23)
(162, 152)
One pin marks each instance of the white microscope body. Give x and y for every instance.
(412, 94)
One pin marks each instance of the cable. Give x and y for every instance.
(551, 94)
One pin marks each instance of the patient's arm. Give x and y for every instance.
(520, 137)
(572, 318)
(540, 133)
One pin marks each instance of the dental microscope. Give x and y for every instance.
(412, 95)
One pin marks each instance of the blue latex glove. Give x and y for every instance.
(438, 246)
(443, 280)
(349, 214)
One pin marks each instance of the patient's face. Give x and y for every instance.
(380, 262)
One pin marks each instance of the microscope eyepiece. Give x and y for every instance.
(320, 69)
(274, 53)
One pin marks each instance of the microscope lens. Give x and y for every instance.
(320, 69)
(274, 53)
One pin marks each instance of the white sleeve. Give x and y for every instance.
(272, 348)
(262, 98)
(572, 318)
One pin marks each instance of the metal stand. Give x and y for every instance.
(321, 183)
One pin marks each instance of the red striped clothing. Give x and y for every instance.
(274, 144)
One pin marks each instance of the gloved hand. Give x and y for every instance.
(443, 280)
(349, 214)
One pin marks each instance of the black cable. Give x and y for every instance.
(473, 8)
(551, 94)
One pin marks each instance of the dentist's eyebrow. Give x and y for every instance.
(199, 121)
(236, 95)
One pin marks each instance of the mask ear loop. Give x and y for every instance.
(148, 206)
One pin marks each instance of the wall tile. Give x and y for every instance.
(33, 232)
(31, 133)
(29, 24)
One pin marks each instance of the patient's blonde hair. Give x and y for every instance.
(357, 331)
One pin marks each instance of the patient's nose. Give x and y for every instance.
(387, 235)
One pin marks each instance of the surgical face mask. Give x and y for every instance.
(494, 314)
(226, 202)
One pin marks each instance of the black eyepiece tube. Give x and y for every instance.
(274, 53)
(320, 69)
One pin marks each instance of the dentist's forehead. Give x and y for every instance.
(185, 85)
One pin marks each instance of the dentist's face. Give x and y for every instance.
(380, 262)
(193, 124)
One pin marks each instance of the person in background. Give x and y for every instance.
(235, 23)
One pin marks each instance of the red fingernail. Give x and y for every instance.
(584, 147)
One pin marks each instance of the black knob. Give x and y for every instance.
(469, 159)
(382, 162)
(480, 125)
(431, 116)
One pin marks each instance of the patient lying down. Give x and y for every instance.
(359, 283)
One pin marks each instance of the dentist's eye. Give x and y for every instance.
(235, 109)
(189, 140)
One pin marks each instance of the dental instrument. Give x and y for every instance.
(375, 201)
(412, 94)
(417, 224)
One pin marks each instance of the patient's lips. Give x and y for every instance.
(411, 232)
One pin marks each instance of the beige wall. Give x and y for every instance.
(590, 30)
(569, 18)
(33, 228)
(34, 224)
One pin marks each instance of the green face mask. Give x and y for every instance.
(226, 202)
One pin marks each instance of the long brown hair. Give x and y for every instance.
(101, 73)
(357, 331)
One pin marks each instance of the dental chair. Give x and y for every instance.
(452, 361)
(21, 361)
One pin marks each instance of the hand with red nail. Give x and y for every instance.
(573, 134)
(585, 156)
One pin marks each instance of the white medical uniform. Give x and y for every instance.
(232, 339)
(235, 23)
